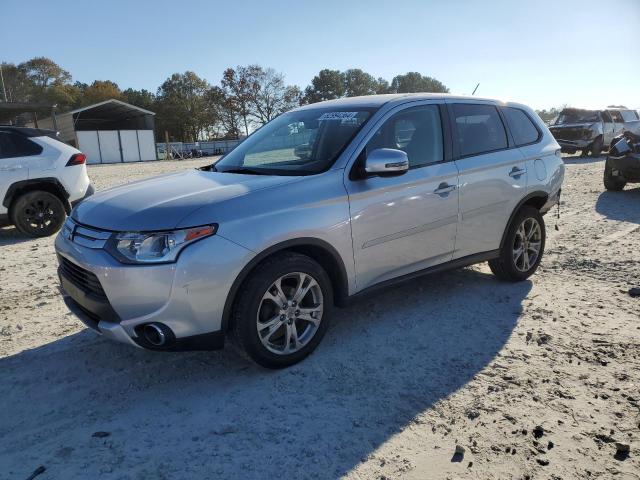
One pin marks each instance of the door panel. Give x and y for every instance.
(608, 129)
(147, 145)
(489, 192)
(109, 146)
(129, 144)
(89, 145)
(400, 225)
(492, 177)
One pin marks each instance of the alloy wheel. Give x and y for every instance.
(290, 313)
(527, 244)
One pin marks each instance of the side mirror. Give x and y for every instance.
(386, 162)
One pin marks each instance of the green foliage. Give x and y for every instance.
(413, 82)
(189, 108)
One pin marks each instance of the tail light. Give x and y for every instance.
(77, 159)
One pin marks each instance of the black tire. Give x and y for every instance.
(250, 299)
(596, 147)
(504, 267)
(38, 213)
(611, 182)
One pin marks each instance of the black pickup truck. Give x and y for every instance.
(590, 130)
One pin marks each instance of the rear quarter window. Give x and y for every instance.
(12, 146)
(479, 129)
(522, 128)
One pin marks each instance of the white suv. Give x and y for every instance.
(41, 179)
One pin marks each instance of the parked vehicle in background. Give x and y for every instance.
(41, 178)
(590, 130)
(623, 162)
(325, 202)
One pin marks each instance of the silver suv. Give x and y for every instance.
(325, 202)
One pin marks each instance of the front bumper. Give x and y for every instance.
(188, 296)
(570, 146)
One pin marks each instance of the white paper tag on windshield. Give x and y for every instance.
(338, 116)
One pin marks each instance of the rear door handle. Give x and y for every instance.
(444, 188)
(517, 172)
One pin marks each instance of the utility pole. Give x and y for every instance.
(4, 90)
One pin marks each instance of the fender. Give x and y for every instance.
(541, 197)
(336, 272)
(48, 184)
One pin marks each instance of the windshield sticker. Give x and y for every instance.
(338, 116)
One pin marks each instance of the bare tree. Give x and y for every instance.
(271, 97)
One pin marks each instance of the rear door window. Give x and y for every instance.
(479, 129)
(12, 146)
(522, 128)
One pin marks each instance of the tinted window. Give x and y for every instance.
(12, 145)
(521, 126)
(629, 115)
(617, 118)
(479, 129)
(416, 131)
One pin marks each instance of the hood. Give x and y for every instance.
(160, 203)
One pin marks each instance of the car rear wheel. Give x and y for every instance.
(612, 182)
(283, 310)
(523, 247)
(38, 214)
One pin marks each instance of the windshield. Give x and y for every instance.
(296, 143)
(577, 116)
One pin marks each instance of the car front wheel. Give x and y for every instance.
(523, 247)
(38, 214)
(283, 310)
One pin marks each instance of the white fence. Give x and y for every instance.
(181, 149)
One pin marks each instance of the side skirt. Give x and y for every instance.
(451, 265)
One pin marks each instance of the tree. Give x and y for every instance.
(412, 82)
(182, 106)
(240, 87)
(16, 85)
(43, 72)
(383, 86)
(327, 85)
(140, 98)
(101, 90)
(357, 83)
(271, 96)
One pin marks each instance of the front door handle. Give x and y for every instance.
(517, 172)
(444, 188)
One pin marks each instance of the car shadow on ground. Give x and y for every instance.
(10, 235)
(623, 206)
(384, 361)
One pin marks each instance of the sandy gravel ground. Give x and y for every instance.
(532, 380)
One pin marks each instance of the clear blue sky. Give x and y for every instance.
(541, 52)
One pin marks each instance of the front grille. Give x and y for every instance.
(568, 133)
(81, 278)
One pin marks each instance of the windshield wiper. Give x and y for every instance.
(244, 170)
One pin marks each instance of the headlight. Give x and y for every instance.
(155, 247)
